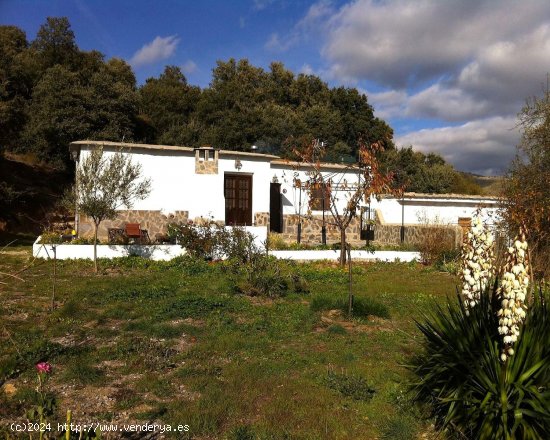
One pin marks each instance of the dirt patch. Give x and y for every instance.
(260, 301)
(336, 317)
(184, 343)
(15, 252)
(86, 402)
(193, 322)
(113, 364)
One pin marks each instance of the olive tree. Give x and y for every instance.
(105, 183)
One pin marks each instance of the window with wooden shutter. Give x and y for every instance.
(320, 192)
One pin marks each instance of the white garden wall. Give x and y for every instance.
(159, 252)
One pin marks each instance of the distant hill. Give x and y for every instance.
(491, 185)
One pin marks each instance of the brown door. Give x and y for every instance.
(238, 199)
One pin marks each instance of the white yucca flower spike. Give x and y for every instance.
(512, 293)
(477, 261)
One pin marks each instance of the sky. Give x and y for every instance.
(449, 76)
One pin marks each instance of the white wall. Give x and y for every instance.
(442, 210)
(291, 195)
(162, 252)
(176, 187)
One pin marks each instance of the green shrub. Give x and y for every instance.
(239, 245)
(435, 244)
(468, 390)
(448, 261)
(362, 306)
(353, 386)
(266, 276)
(199, 240)
(82, 240)
(401, 427)
(212, 241)
(51, 238)
(276, 242)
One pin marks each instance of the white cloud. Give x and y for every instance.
(399, 42)
(468, 62)
(159, 49)
(463, 60)
(486, 146)
(276, 44)
(388, 104)
(189, 67)
(448, 103)
(260, 5)
(310, 25)
(316, 16)
(306, 69)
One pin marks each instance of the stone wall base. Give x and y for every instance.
(384, 234)
(154, 222)
(312, 230)
(390, 234)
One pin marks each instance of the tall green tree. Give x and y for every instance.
(230, 108)
(358, 120)
(113, 101)
(168, 102)
(15, 85)
(429, 173)
(68, 106)
(59, 114)
(55, 43)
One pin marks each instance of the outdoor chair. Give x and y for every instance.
(133, 231)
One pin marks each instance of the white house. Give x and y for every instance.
(249, 188)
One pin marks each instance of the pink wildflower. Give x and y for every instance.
(44, 367)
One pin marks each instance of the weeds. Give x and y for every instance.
(352, 386)
(362, 306)
(173, 343)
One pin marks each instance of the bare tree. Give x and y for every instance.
(527, 184)
(335, 186)
(105, 183)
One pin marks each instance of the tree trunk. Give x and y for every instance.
(54, 247)
(96, 227)
(342, 247)
(350, 294)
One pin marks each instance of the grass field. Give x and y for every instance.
(173, 343)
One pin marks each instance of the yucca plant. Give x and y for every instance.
(469, 391)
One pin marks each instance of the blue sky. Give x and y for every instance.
(449, 76)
